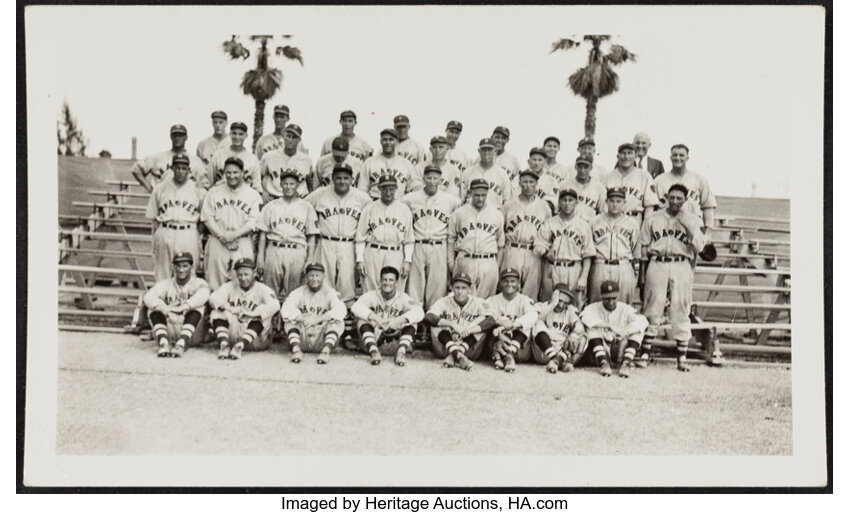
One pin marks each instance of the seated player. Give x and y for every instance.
(176, 306)
(614, 330)
(313, 316)
(459, 323)
(386, 319)
(514, 315)
(559, 338)
(243, 310)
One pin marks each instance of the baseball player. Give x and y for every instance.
(591, 193)
(614, 330)
(242, 312)
(504, 159)
(587, 151)
(251, 175)
(524, 216)
(287, 158)
(386, 319)
(175, 307)
(388, 162)
(323, 171)
(559, 338)
(218, 140)
(476, 237)
(230, 213)
(407, 147)
(156, 168)
(566, 244)
(637, 183)
(450, 173)
(700, 201)
(558, 171)
(643, 161)
(514, 315)
(430, 210)
(357, 146)
(288, 230)
(175, 207)
(670, 240)
(459, 323)
(456, 155)
(313, 316)
(273, 141)
(547, 186)
(384, 236)
(615, 236)
(497, 180)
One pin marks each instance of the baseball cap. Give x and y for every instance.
(238, 125)
(529, 172)
(455, 125)
(586, 141)
(219, 114)
(183, 257)
(609, 289)
(462, 277)
(508, 273)
(568, 192)
(343, 168)
(290, 173)
(582, 160)
(437, 140)
(235, 160)
(314, 266)
(244, 263)
(625, 146)
(479, 183)
(281, 109)
(564, 289)
(537, 150)
(401, 119)
(432, 169)
(340, 144)
(347, 114)
(180, 158)
(552, 138)
(178, 129)
(390, 131)
(387, 180)
(502, 130)
(294, 129)
(486, 142)
(615, 192)
(389, 269)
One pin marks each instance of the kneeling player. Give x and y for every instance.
(459, 322)
(176, 305)
(514, 315)
(313, 316)
(614, 329)
(243, 310)
(559, 338)
(386, 319)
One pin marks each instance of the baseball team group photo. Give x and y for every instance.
(426, 243)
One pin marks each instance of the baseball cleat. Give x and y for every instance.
(400, 356)
(499, 363)
(463, 362)
(683, 366)
(510, 363)
(552, 366)
(375, 357)
(643, 361)
(179, 349)
(224, 351)
(717, 359)
(236, 351)
(605, 369)
(348, 343)
(625, 370)
(324, 356)
(449, 361)
(296, 355)
(567, 366)
(164, 350)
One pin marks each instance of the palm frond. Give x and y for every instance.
(262, 84)
(290, 52)
(286, 36)
(261, 37)
(563, 44)
(618, 54)
(597, 38)
(581, 82)
(235, 50)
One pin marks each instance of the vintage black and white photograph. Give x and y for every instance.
(425, 246)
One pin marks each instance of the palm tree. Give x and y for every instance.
(69, 135)
(598, 79)
(262, 82)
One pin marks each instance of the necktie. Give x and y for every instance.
(640, 163)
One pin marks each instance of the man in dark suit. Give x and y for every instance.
(644, 161)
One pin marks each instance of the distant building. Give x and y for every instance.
(105, 154)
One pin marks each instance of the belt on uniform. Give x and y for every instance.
(562, 262)
(285, 245)
(521, 246)
(341, 239)
(664, 258)
(384, 247)
(610, 261)
(178, 227)
(634, 213)
(481, 255)
(429, 242)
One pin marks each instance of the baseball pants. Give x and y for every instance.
(284, 268)
(622, 273)
(440, 337)
(614, 347)
(545, 348)
(561, 273)
(312, 339)
(169, 241)
(680, 277)
(429, 273)
(484, 273)
(190, 326)
(338, 259)
(374, 259)
(236, 327)
(218, 260)
(530, 268)
(388, 344)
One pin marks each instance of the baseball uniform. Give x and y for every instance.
(459, 158)
(616, 241)
(428, 278)
(274, 163)
(640, 191)
(384, 238)
(157, 168)
(272, 141)
(230, 209)
(518, 310)
(338, 217)
(323, 170)
(477, 236)
(238, 307)
(564, 330)
(378, 166)
(699, 192)
(597, 172)
(287, 226)
(500, 185)
(168, 293)
(208, 147)
(357, 147)
(522, 222)
(307, 304)
(557, 170)
(413, 152)
(473, 312)
(449, 182)
(251, 174)
(591, 197)
(564, 243)
(176, 210)
(596, 318)
(508, 163)
(373, 303)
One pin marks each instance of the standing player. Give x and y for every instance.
(587, 151)
(357, 146)
(615, 236)
(636, 183)
(215, 170)
(455, 154)
(566, 244)
(407, 147)
(514, 315)
(386, 319)
(176, 305)
(504, 160)
(388, 162)
(591, 193)
(287, 237)
(700, 201)
(497, 181)
(476, 238)
(547, 187)
(559, 338)
(175, 207)
(384, 236)
(156, 168)
(458, 324)
(287, 158)
(313, 316)
(670, 240)
(230, 213)
(242, 312)
(450, 173)
(218, 140)
(323, 172)
(430, 210)
(614, 330)
(559, 172)
(273, 141)
(524, 217)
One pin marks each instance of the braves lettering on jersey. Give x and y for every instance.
(699, 191)
(273, 165)
(400, 304)
(389, 225)
(473, 231)
(338, 216)
(509, 164)
(459, 158)
(639, 186)
(305, 301)
(591, 197)
(208, 147)
(170, 202)
(357, 147)
(558, 325)
(272, 141)
(672, 236)
(379, 165)
(519, 309)
(251, 175)
(430, 214)
(412, 151)
(473, 312)
(323, 170)
(288, 222)
(157, 168)
(565, 239)
(231, 209)
(168, 293)
(524, 219)
(557, 170)
(497, 179)
(449, 179)
(258, 301)
(615, 238)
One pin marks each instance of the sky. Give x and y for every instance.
(741, 86)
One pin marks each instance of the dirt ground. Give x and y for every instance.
(117, 398)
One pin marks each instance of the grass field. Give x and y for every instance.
(117, 398)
